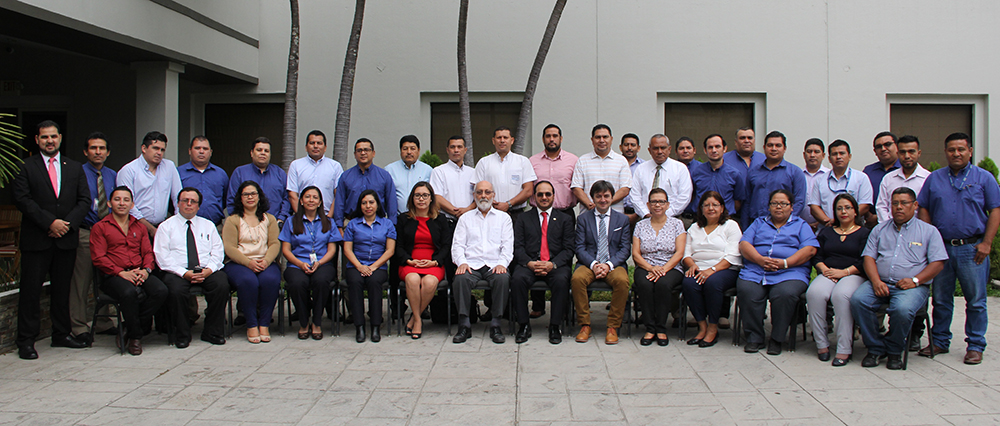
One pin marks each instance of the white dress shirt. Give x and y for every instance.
(454, 183)
(854, 182)
(324, 174)
(170, 244)
(152, 194)
(483, 241)
(507, 175)
(811, 179)
(613, 168)
(893, 180)
(674, 178)
(709, 249)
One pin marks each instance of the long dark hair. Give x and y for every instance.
(379, 211)
(854, 205)
(298, 226)
(262, 205)
(723, 217)
(432, 208)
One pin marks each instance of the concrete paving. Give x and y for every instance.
(433, 381)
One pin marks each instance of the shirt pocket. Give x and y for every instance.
(515, 179)
(974, 195)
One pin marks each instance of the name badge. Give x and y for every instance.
(914, 243)
(312, 257)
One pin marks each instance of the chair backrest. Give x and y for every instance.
(10, 223)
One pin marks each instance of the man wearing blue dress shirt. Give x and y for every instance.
(716, 175)
(153, 180)
(963, 202)
(685, 154)
(745, 154)
(210, 179)
(357, 179)
(270, 177)
(771, 174)
(885, 149)
(408, 170)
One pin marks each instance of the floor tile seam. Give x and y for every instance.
(985, 409)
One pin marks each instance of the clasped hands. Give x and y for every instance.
(771, 264)
(465, 268)
(58, 228)
(135, 276)
(699, 275)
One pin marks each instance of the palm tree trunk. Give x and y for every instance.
(291, 91)
(536, 70)
(347, 86)
(463, 84)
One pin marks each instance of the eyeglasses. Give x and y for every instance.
(543, 194)
(883, 145)
(421, 196)
(711, 205)
(845, 208)
(363, 150)
(901, 203)
(188, 201)
(484, 192)
(249, 194)
(657, 202)
(779, 204)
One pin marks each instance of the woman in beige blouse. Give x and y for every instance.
(250, 236)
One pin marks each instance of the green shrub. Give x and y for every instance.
(431, 159)
(990, 166)
(933, 166)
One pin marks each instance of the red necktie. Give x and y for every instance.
(52, 176)
(545, 237)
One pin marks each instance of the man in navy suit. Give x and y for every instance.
(543, 251)
(53, 196)
(602, 246)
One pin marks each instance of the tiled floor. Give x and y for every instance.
(432, 381)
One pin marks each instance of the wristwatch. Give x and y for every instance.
(148, 271)
(715, 270)
(916, 280)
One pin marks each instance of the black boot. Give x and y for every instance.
(376, 337)
(360, 330)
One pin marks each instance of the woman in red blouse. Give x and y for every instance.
(423, 248)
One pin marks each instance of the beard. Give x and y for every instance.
(484, 204)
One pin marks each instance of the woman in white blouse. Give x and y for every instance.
(712, 258)
(657, 249)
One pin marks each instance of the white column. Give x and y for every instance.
(157, 86)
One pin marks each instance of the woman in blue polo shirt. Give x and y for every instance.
(308, 243)
(369, 243)
(776, 252)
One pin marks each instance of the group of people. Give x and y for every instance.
(744, 219)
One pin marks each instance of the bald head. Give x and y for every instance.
(484, 196)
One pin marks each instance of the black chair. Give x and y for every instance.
(338, 291)
(100, 301)
(401, 297)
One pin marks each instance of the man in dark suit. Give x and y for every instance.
(603, 243)
(535, 261)
(52, 194)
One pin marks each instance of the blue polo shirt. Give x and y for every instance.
(726, 181)
(733, 159)
(311, 240)
(959, 204)
(354, 181)
(369, 241)
(109, 176)
(272, 180)
(213, 184)
(778, 243)
(904, 252)
(761, 181)
(875, 173)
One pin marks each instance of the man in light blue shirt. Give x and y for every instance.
(630, 150)
(315, 169)
(154, 182)
(408, 170)
(841, 180)
(813, 154)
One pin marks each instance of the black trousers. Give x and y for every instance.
(356, 286)
(558, 281)
(58, 264)
(216, 288)
(138, 315)
(657, 297)
(301, 285)
(753, 298)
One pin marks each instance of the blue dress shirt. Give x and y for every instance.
(213, 184)
(369, 241)
(726, 181)
(354, 181)
(693, 205)
(903, 253)
(778, 243)
(311, 240)
(761, 181)
(272, 180)
(733, 158)
(959, 204)
(875, 173)
(109, 176)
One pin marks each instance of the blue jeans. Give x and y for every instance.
(903, 306)
(973, 278)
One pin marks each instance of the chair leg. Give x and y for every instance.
(281, 312)
(448, 300)
(121, 329)
(736, 324)
(684, 316)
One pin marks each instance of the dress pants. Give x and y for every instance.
(137, 315)
(34, 265)
(356, 286)
(903, 307)
(557, 280)
(499, 283)
(657, 297)
(80, 290)
(753, 298)
(300, 285)
(706, 301)
(216, 288)
(823, 289)
(617, 279)
(974, 279)
(257, 292)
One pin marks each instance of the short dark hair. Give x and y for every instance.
(97, 135)
(551, 126)
(409, 138)
(908, 139)
(836, 143)
(957, 136)
(189, 189)
(700, 216)
(854, 205)
(601, 186)
(199, 138)
(121, 188)
(683, 139)
(365, 140)
(599, 127)
(781, 191)
(152, 137)
(745, 128)
(502, 128)
(884, 134)
(46, 124)
(262, 204)
(713, 135)
(658, 190)
(631, 136)
(316, 133)
(904, 190)
(776, 134)
(815, 141)
(261, 139)
(539, 182)
(456, 138)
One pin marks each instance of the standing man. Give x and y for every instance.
(841, 180)
(315, 169)
(101, 181)
(509, 173)
(716, 175)
(452, 181)
(365, 175)
(771, 174)
(270, 177)
(630, 150)
(888, 160)
(52, 194)
(663, 172)
(602, 164)
(815, 171)
(911, 175)
(408, 170)
(745, 156)
(153, 180)
(686, 152)
(963, 202)
(211, 180)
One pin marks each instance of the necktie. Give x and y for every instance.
(52, 176)
(102, 197)
(192, 248)
(602, 239)
(545, 237)
(656, 179)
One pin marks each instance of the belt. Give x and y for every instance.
(955, 242)
(629, 210)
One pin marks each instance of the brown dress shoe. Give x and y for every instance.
(584, 335)
(973, 357)
(927, 350)
(135, 346)
(612, 337)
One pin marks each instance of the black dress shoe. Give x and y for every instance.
(872, 360)
(463, 334)
(523, 333)
(27, 352)
(488, 316)
(359, 334)
(707, 344)
(773, 347)
(914, 344)
(895, 362)
(496, 335)
(67, 342)
(825, 356)
(662, 342)
(752, 348)
(694, 341)
(840, 362)
(215, 340)
(85, 338)
(646, 342)
(555, 335)
(181, 344)
(376, 336)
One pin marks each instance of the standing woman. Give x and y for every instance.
(309, 245)
(424, 248)
(369, 242)
(250, 237)
(838, 262)
(657, 249)
(712, 257)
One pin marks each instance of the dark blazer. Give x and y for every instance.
(528, 238)
(619, 238)
(406, 231)
(35, 198)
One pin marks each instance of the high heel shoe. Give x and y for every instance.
(409, 331)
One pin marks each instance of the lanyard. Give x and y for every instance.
(965, 172)
(847, 179)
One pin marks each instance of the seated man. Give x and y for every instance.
(482, 247)
(900, 259)
(543, 251)
(603, 243)
(189, 250)
(120, 248)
